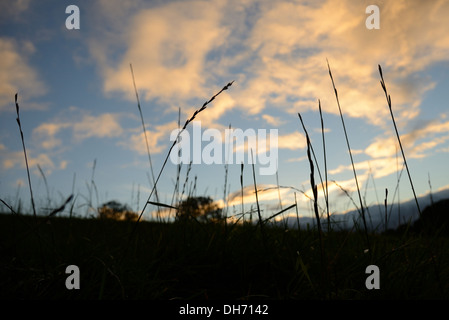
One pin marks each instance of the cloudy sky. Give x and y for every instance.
(83, 131)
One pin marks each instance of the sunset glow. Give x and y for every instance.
(78, 105)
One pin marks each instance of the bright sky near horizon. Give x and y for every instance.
(78, 106)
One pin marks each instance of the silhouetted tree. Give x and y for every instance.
(203, 209)
(116, 211)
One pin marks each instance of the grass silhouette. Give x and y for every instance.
(228, 259)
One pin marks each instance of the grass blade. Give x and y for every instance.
(241, 188)
(387, 96)
(352, 160)
(26, 158)
(280, 212)
(203, 107)
(326, 193)
(260, 222)
(145, 133)
(162, 205)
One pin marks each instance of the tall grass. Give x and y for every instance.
(46, 185)
(203, 107)
(241, 190)
(326, 190)
(34, 229)
(25, 156)
(145, 134)
(430, 245)
(387, 96)
(352, 160)
(260, 222)
(175, 196)
(29, 185)
(200, 260)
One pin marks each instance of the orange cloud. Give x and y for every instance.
(412, 142)
(265, 193)
(182, 50)
(167, 46)
(274, 121)
(104, 125)
(293, 41)
(12, 159)
(17, 75)
(158, 139)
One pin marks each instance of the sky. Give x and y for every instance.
(83, 131)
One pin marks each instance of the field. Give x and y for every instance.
(217, 259)
(186, 260)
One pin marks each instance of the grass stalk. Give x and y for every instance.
(260, 222)
(430, 189)
(145, 134)
(241, 188)
(315, 208)
(43, 260)
(255, 190)
(186, 180)
(313, 152)
(352, 160)
(175, 197)
(398, 176)
(386, 211)
(203, 107)
(314, 189)
(326, 193)
(26, 158)
(396, 191)
(278, 213)
(279, 189)
(225, 189)
(387, 96)
(46, 185)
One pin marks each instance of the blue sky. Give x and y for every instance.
(78, 105)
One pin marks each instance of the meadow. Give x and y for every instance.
(218, 259)
(185, 260)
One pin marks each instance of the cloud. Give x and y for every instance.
(276, 52)
(13, 8)
(158, 139)
(292, 141)
(46, 160)
(292, 53)
(274, 121)
(13, 159)
(297, 159)
(17, 75)
(380, 167)
(168, 47)
(443, 149)
(416, 144)
(214, 111)
(385, 155)
(47, 133)
(50, 139)
(382, 147)
(103, 126)
(49, 136)
(265, 193)
(384, 151)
